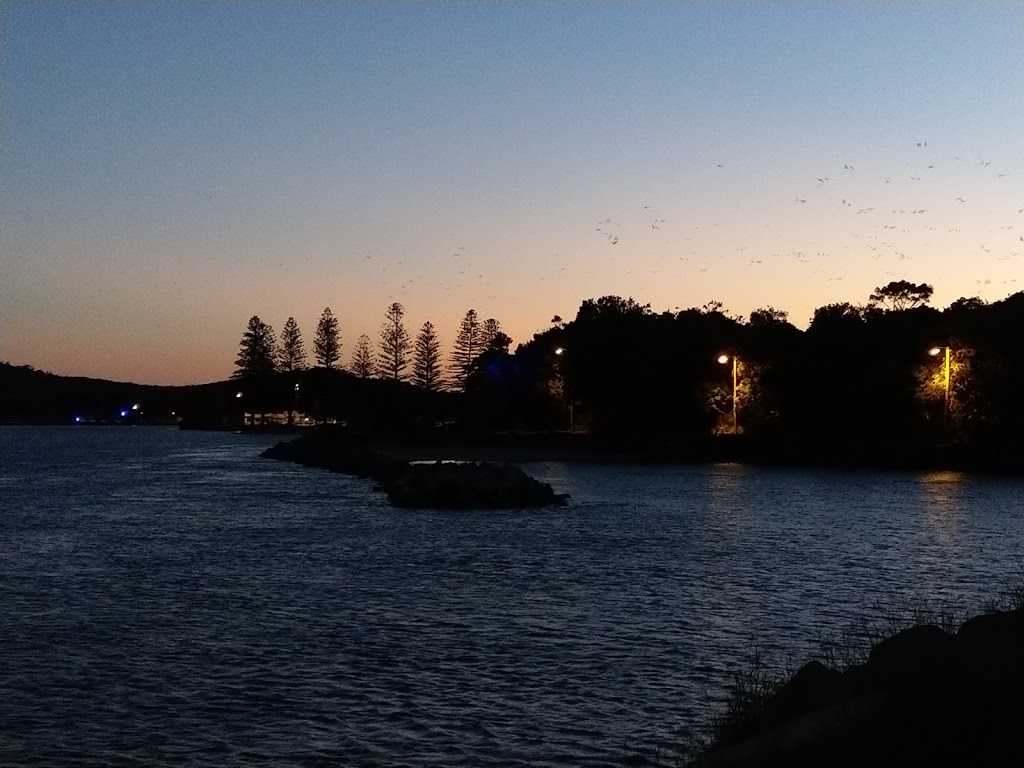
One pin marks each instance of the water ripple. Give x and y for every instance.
(169, 599)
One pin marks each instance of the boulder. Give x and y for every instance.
(916, 650)
(989, 626)
(813, 685)
(470, 485)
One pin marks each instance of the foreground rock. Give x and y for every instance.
(471, 485)
(435, 485)
(925, 697)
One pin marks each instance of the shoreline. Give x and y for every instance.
(933, 693)
(584, 448)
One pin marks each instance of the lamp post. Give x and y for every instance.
(723, 359)
(946, 376)
(291, 411)
(572, 424)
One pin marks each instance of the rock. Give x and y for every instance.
(814, 684)
(914, 652)
(471, 485)
(991, 625)
(924, 698)
(439, 485)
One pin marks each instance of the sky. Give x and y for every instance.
(170, 169)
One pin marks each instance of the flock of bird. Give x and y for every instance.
(880, 241)
(889, 229)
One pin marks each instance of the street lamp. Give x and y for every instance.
(572, 422)
(722, 360)
(946, 377)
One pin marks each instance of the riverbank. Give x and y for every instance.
(927, 695)
(528, 447)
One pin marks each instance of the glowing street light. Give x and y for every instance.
(239, 394)
(946, 375)
(722, 360)
(559, 350)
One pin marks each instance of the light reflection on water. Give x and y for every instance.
(943, 503)
(211, 608)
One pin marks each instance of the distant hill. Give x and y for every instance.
(30, 396)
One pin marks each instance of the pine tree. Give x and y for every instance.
(491, 328)
(494, 338)
(468, 346)
(426, 364)
(292, 352)
(257, 351)
(327, 343)
(394, 344)
(362, 358)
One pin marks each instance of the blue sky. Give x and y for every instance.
(170, 169)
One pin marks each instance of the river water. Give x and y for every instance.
(168, 598)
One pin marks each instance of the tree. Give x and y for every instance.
(395, 344)
(327, 343)
(768, 316)
(468, 345)
(426, 364)
(901, 294)
(489, 330)
(292, 352)
(362, 358)
(499, 342)
(843, 313)
(493, 337)
(967, 304)
(257, 351)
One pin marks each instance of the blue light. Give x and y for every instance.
(78, 419)
(123, 414)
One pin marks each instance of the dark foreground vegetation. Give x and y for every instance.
(931, 694)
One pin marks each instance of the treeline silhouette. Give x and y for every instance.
(869, 372)
(857, 372)
(619, 371)
(261, 353)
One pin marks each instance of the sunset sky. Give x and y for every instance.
(170, 169)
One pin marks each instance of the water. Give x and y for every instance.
(168, 599)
